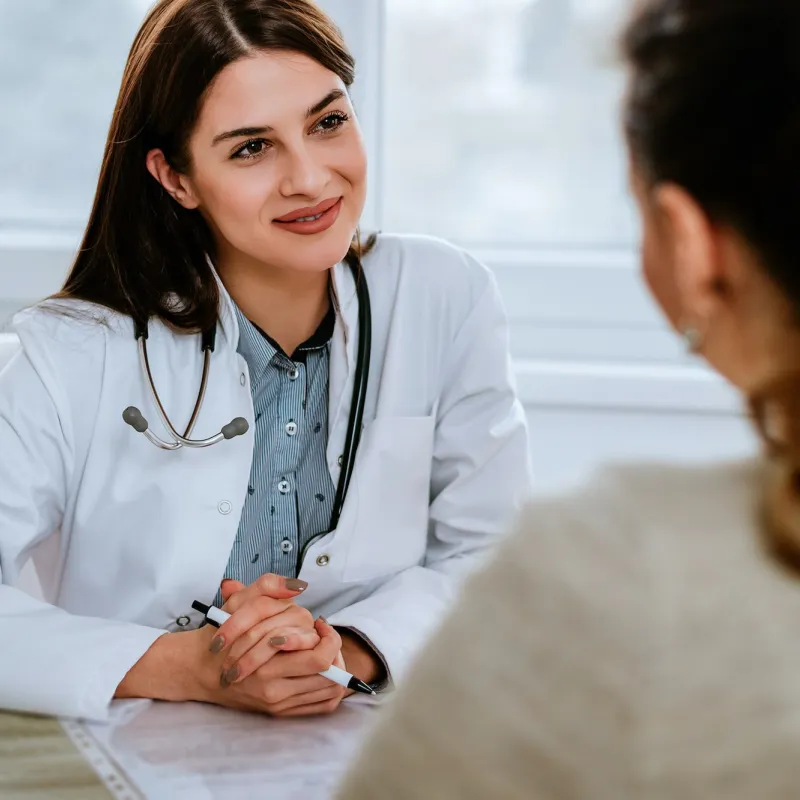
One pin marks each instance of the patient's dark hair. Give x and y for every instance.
(713, 105)
(141, 249)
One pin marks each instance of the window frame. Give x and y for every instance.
(584, 331)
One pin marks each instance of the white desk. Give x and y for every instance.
(169, 751)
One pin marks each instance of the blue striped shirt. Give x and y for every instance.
(290, 495)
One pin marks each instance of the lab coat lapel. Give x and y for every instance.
(227, 316)
(342, 363)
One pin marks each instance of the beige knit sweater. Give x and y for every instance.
(631, 640)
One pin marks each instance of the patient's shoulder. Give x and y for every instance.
(616, 531)
(622, 502)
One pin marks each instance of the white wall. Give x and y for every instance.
(567, 444)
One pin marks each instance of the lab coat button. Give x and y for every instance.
(286, 546)
(340, 460)
(182, 621)
(291, 428)
(322, 561)
(242, 379)
(224, 507)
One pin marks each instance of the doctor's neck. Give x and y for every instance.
(288, 304)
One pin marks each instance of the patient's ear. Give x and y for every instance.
(696, 252)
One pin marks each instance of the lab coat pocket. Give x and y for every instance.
(392, 474)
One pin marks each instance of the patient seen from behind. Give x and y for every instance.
(641, 636)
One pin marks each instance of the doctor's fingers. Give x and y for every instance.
(238, 667)
(246, 617)
(309, 703)
(279, 693)
(309, 691)
(308, 662)
(295, 618)
(268, 585)
(288, 640)
(312, 709)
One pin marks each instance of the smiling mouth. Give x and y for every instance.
(311, 220)
(308, 219)
(309, 214)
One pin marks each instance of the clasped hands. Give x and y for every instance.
(267, 656)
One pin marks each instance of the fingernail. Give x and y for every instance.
(223, 681)
(232, 674)
(217, 643)
(324, 620)
(296, 585)
(277, 641)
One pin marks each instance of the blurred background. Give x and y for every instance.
(493, 123)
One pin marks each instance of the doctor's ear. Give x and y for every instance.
(177, 185)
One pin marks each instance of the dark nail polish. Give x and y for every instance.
(232, 674)
(223, 681)
(277, 641)
(217, 643)
(296, 585)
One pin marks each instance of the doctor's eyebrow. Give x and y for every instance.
(329, 98)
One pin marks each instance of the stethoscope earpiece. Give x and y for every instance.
(236, 427)
(134, 418)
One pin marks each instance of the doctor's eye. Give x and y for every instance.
(251, 149)
(331, 122)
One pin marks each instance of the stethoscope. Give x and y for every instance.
(239, 426)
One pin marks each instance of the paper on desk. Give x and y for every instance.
(198, 751)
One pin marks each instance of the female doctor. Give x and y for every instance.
(361, 439)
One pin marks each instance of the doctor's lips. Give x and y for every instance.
(311, 219)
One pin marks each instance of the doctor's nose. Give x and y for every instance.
(302, 174)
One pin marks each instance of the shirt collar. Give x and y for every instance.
(344, 299)
(259, 349)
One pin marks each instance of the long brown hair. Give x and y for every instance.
(714, 106)
(141, 249)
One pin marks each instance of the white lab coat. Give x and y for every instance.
(124, 535)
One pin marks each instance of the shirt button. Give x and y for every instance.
(224, 507)
(242, 379)
(286, 546)
(340, 460)
(322, 561)
(294, 374)
(283, 487)
(182, 621)
(291, 428)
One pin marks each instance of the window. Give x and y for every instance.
(501, 124)
(493, 123)
(60, 67)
